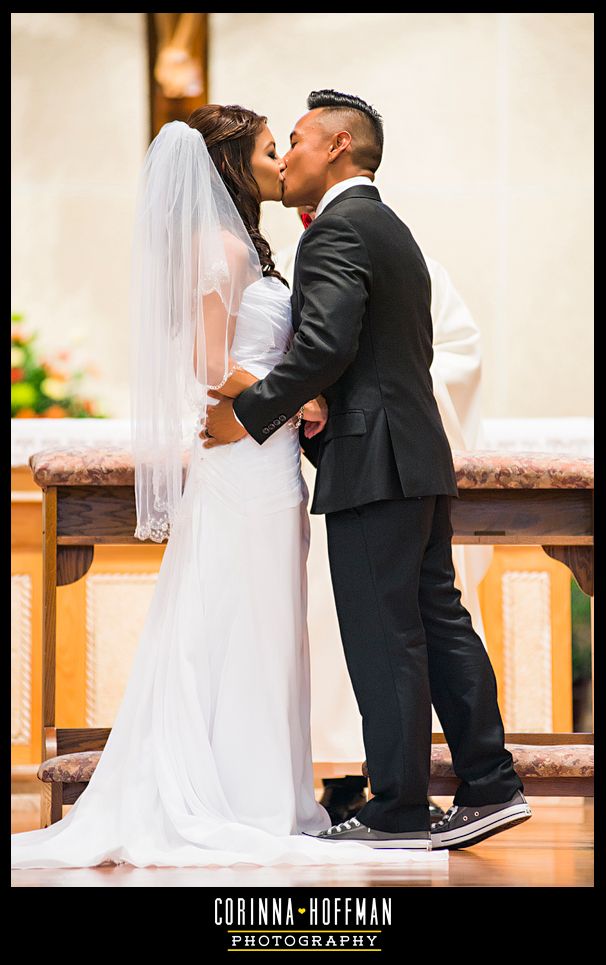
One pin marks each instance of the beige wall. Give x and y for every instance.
(79, 134)
(488, 159)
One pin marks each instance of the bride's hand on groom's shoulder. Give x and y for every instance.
(315, 416)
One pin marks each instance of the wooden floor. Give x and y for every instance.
(553, 849)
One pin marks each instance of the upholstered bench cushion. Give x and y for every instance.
(476, 469)
(86, 466)
(529, 760)
(70, 768)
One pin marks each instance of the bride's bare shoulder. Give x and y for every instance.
(236, 248)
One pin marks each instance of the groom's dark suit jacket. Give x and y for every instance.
(363, 338)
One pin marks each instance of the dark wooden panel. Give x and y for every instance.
(72, 791)
(96, 514)
(70, 740)
(533, 786)
(106, 514)
(72, 563)
(514, 516)
(579, 560)
(583, 737)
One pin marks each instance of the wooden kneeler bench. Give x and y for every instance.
(516, 498)
(555, 766)
(547, 764)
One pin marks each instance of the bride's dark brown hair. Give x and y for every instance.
(230, 132)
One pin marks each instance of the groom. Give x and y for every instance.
(385, 478)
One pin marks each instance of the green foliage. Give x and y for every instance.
(581, 633)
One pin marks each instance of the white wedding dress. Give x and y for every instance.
(209, 758)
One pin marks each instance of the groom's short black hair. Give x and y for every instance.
(368, 150)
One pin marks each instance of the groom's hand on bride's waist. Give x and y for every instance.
(221, 427)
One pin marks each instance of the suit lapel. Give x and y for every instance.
(295, 297)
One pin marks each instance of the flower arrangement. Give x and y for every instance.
(44, 388)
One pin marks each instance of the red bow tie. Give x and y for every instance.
(306, 219)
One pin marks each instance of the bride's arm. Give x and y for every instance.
(214, 328)
(218, 324)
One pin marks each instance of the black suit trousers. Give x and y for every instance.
(409, 642)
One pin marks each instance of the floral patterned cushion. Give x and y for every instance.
(70, 768)
(86, 466)
(529, 760)
(475, 469)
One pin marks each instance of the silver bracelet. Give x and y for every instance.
(227, 377)
(297, 419)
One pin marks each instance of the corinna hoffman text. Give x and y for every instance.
(299, 913)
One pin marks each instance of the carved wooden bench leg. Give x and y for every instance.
(51, 803)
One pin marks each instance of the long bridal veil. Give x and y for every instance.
(192, 260)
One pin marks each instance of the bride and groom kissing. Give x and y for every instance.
(361, 353)
(217, 703)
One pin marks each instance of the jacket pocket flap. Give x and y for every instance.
(352, 423)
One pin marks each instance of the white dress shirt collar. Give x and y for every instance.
(337, 188)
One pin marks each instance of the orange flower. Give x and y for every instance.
(16, 375)
(54, 412)
(52, 370)
(26, 414)
(20, 334)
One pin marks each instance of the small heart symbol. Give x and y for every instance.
(301, 911)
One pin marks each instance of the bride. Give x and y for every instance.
(209, 758)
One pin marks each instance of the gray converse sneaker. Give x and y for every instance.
(353, 830)
(462, 826)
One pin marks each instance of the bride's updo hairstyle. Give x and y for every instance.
(230, 132)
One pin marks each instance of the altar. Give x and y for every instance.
(508, 498)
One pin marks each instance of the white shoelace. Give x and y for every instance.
(452, 810)
(344, 825)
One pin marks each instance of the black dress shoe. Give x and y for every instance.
(343, 797)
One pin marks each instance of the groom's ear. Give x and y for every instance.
(341, 143)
